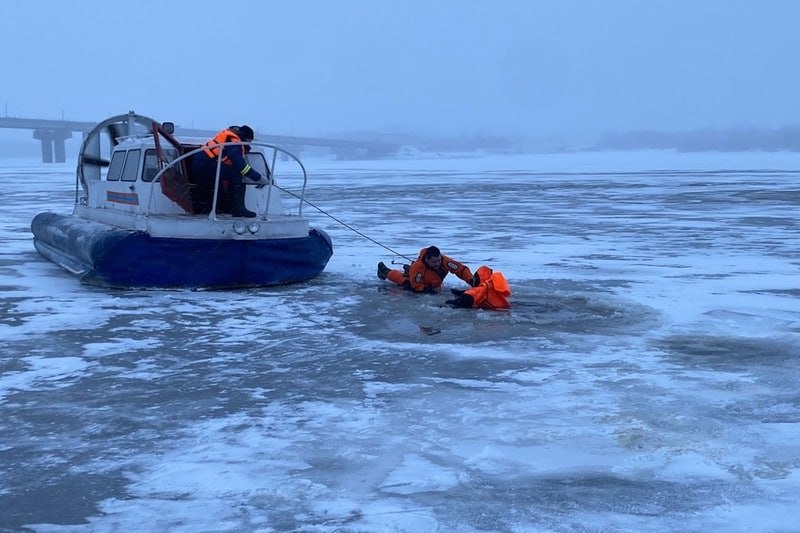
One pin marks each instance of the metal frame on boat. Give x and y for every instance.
(143, 220)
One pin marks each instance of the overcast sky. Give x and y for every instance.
(523, 67)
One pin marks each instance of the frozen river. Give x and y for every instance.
(646, 377)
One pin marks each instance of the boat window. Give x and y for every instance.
(131, 165)
(115, 168)
(151, 162)
(257, 161)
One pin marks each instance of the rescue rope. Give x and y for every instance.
(348, 226)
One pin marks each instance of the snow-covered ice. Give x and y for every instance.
(646, 377)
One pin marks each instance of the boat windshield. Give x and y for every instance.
(257, 161)
(151, 162)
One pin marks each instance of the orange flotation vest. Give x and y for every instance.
(212, 147)
(492, 292)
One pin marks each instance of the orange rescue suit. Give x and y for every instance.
(421, 278)
(491, 293)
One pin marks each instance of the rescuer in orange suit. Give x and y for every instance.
(491, 292)
(427, 272)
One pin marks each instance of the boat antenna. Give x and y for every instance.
(348, 226)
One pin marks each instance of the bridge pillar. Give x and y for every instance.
(53, 141)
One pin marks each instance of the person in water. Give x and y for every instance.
(491, 292)
(233, 170)
(427, 272)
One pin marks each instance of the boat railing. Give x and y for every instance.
(272, 173)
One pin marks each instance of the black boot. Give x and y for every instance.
(383, 270)
(237, 199)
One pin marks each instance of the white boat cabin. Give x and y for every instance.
(147, 184)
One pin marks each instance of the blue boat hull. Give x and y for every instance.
(107, 256)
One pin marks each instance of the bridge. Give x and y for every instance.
(53, 134)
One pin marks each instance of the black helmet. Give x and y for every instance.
(246, 133)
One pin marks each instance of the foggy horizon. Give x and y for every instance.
(571, 71)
